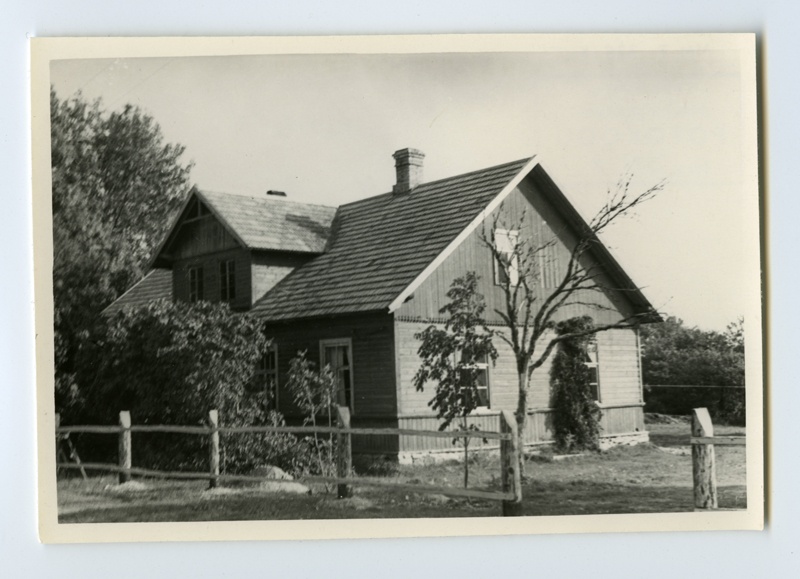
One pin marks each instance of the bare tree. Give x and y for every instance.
(529, 314)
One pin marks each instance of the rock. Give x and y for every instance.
(281, 486)
(132, 486)
(272, 472)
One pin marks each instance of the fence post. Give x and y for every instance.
(213, 448)
(125, 461)
(509, 465)
(344, 452)
(703, 464)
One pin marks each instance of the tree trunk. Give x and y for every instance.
(522, 415)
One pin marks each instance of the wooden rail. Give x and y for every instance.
(704, 471)
(511, 493)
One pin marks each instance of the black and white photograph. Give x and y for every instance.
(442, 285)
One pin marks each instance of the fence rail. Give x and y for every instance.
(510, 495)
(704, 468)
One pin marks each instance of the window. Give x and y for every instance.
(338, 354)
(265, 380)
(506, 242)
(480, 371)
(195, 284)
(227, 280)
(591, 364)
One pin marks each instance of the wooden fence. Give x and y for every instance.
(703, 460)
(510, 495)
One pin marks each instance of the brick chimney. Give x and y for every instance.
(408, 164)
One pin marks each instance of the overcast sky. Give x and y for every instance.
(323, 128)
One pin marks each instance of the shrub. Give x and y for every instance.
(576, 420)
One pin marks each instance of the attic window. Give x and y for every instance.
(506, 272)
(227, 280)
(195, 284)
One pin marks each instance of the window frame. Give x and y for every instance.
(592, 347)
(260, 379)
(484, 366)
(335, 342)
(511, 239)
(196, 289)
(227, 280)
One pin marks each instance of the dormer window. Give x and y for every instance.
(506, 265)
(195, 284)
(227, 280)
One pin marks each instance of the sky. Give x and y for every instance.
(323, 128)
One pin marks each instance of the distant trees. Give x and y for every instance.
(673, 354)
(115, 186)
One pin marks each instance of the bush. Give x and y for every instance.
(576, 417)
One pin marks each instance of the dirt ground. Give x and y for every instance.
(650, 478)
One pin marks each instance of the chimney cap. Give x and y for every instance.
(276, 193)
(407, 153)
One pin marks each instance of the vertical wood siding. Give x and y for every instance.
(540, 224)
(199, 237)
(373, 374)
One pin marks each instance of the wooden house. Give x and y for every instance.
(352, 286)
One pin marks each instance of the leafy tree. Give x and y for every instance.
(170, 363)
(450, 357)
(673, 354)
(529, 315)
(576, 421)
(314, 392)
(115, 184)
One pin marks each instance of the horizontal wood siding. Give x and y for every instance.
(503, 377)
(270, 267)
(622, 420)
(373, 374)
(211, 277)
(540, 224)
(619, 372)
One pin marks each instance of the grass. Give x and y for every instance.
(654, 478)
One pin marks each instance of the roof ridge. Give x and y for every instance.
(264, 198)
(443, 179)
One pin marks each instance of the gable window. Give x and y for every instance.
(506, 267)
(265, 380)
(227, 280)
(195, 284)
(480, 371)
(592, 364)
(338, 354)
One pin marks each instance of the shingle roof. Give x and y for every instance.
(380, 244)
(272, 223)
(156, 284)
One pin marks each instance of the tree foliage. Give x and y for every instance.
(675, 354)
(451, 357)
(314, 392)
(115, 185)
(170, 363)
(576, 417)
